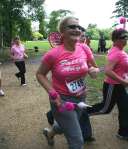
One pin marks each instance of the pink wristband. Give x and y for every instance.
(53, 94)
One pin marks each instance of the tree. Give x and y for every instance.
(92, 31)
(37, 35)
(16, 15)
(40, 16)
(121, 8)
(55, 17)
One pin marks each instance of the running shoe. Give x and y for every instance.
(50, 140)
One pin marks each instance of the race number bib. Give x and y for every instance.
(76, 86)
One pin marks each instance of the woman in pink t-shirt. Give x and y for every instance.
(69, 64)
(115, 88)
(18, 55)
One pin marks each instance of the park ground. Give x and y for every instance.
(22, 116)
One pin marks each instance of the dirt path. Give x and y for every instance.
(22, 116)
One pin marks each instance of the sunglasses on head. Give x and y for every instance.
(74, 27)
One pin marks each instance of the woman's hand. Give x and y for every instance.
(58, 101)
(93, 71)
(125, 83)
(55, 97)
(25, 55)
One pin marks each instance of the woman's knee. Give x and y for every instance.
(76, 142)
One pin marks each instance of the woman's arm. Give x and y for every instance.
(25, 55)
(93, 69)
(109, 72)
(41, 77)
(93, 63)
(45, 83)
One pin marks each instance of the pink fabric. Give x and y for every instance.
(67, 66)
(69, 106)
(53, 94)
(18, 52)
(121, 58)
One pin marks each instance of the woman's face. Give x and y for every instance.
(17, 41)
(72, 31)
(123, 42)
(82, 37)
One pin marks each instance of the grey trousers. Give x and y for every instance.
(69, 125)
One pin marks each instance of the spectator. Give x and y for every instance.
(102, 44)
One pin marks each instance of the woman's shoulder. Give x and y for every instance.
(53, 52)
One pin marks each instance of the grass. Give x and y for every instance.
(94, 44)
(94, 93)
(43, 47)
(40, 44)
(29, 45)
(94, 86)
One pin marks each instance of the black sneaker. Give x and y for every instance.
(50, 140)
(50, 117)
(122, 137)
(17, 76)
(90, 139)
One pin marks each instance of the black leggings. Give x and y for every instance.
(22, 69)
(113, 94)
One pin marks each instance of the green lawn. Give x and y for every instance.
(40, 44)
(29, 45)
(94, 86)
(94, 93)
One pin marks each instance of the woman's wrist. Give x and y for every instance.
(53, 94)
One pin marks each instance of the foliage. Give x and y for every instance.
(94, 33)
(55, 17)
(121, 8)
(37, 35)
(40, 16)
(15, 17)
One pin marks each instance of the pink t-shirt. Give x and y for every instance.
(121, 68)
(18, 52)
(68, 67)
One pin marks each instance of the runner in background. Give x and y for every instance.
(18, 56)
(115, 87)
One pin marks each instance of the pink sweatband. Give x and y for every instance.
(53, 94)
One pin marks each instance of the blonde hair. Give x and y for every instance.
(63, 23)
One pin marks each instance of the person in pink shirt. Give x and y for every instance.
(18, 55)
(69, 64)
(115, 87)
(85, 39)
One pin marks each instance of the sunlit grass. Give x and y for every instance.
(94, 86)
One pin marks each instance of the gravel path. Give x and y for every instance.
(22, 116)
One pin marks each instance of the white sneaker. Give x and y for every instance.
(1, 92)
(50, 140)
(23, 84)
